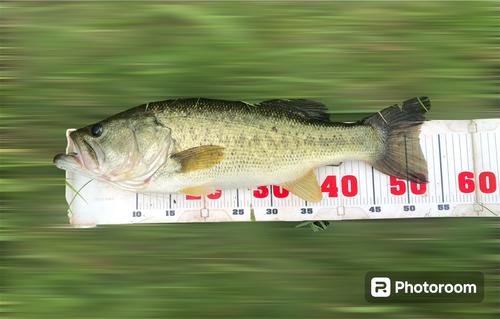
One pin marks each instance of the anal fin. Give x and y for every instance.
(306, 187)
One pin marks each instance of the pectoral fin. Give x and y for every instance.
(201, 190)
(199, 158)
(306, 187)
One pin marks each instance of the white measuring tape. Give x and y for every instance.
(462, 157)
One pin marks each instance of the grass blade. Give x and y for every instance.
(77, 193)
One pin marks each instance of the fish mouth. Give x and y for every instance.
(80, 154)
(71, 159)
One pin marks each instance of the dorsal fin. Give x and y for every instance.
(309, 110)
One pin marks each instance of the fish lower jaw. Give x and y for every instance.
(68, 162)
(57, 160)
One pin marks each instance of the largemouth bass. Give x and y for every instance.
(198, 146)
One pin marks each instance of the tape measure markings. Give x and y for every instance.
(463, 168)
(373, 186)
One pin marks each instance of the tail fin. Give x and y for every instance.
(399, 153)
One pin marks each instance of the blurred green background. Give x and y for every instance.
(72, 64)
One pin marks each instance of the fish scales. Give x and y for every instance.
(270, 145)
(195, 146)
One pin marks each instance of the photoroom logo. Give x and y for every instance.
(380, 287)
(423, 286)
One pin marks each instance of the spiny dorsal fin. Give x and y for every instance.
(310, 110)
(306, 187)
(199, 158)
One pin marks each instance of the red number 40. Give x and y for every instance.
(349, 186)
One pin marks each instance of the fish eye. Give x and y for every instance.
(96, 130)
